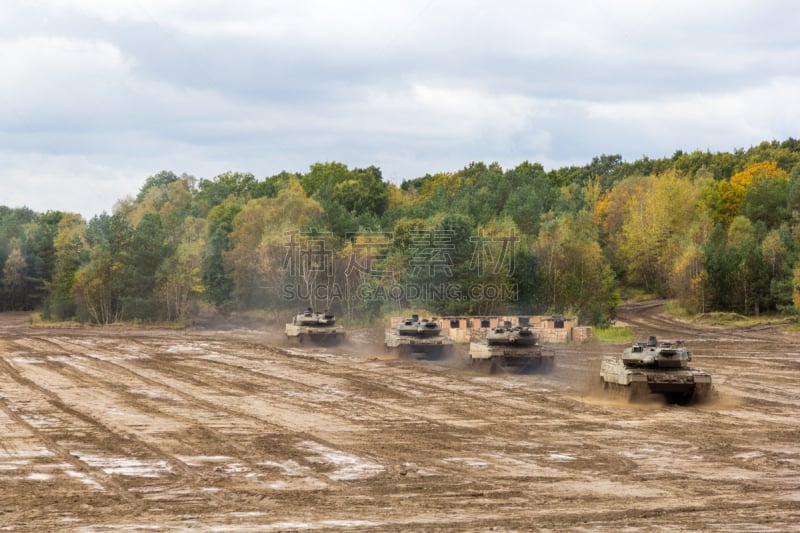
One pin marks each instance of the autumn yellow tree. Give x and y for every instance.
(688, 279)
(573, 271)
(650, 216)
(170, 202)
(728, 195)
(12, 281)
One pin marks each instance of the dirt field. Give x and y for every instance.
(232, 430)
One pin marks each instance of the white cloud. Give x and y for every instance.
(46, 74)
(721, 121)
(72, 183)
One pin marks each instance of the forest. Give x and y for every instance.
(713, 231)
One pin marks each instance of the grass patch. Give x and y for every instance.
(37, 321)
(728, 319)
(719, 318)
(737, 320)
(673, 308)
(613, 335)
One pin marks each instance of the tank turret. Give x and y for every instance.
(320, 328)
(312, 319)
(414, 327)
(666, 354)
(508, 335)
(653, 367)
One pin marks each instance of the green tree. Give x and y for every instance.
(351, 199)
(492, 285)
(766, 201)
(530, 195)
(321, 174)
(738, 276)
(725, 198)
(39, 251)
(70, 253)
(147, 250)
(241, 186)
(218, 280)
(796, 288)
(448, 267)
(100, 284)
(364, 191)
(158, 181)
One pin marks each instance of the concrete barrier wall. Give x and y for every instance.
(463, 329)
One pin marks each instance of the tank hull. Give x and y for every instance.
(676, 384)
(323, 335)
(510, 358)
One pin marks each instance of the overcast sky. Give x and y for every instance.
(97, 95)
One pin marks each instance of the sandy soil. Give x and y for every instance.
(232, 430)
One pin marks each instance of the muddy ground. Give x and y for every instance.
(232, 430)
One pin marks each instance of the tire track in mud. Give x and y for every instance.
(193, 375)
(14, 409)
(494, 425)
(646, 318)
(366, 381)
(212, 383)
(403, 379)
(224, 444)
(370, 381)
(403, 416)
(649, 317)
(565, 413)
(299, 461)
(434, 432)
(453, 471)
(116, 441)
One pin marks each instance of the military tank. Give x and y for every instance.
(654, 367)
(418, 338)
(319, 328)
(510, 348)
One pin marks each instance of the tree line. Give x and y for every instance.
(715, 231)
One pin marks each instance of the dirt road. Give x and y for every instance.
(124, 430)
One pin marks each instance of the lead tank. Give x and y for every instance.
(319, 328)
(654, 367)
(510, 348)
(419, 338)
